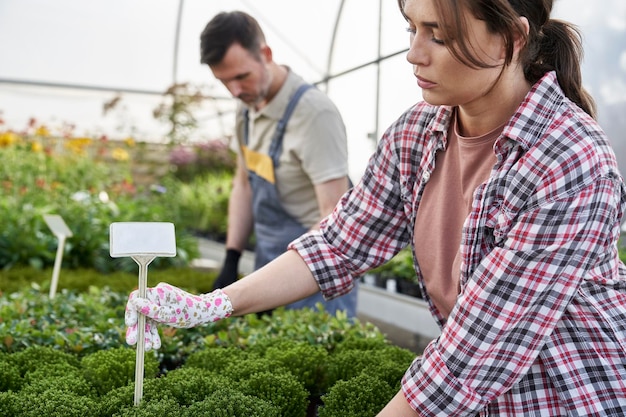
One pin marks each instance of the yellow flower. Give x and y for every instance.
(42, 131)
(129, 141)
(120, 154)
(36, 147)
(8, 139)
(78, 145)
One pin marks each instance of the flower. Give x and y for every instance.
(8, 138)
(36, 147)
(120, 154)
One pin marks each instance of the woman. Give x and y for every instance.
(510, 195)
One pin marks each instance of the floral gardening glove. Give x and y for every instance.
(172, 306)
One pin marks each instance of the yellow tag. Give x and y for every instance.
(259, 163)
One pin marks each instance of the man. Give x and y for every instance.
(292, 149)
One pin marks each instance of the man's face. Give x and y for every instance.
(246, 76)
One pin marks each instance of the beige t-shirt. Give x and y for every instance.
(446, 202)
(315, 148)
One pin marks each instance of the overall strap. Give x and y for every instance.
(282, 123)
(277, 140)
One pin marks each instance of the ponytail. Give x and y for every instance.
(557, 46)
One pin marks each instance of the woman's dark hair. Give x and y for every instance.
(226, 29)
(551, 45)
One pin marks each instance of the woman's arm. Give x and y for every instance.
(398, 407)
(282, 281)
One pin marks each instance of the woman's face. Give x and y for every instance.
(443, 79)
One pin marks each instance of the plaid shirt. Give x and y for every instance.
(539, 327)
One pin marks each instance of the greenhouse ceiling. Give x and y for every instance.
(63, 60)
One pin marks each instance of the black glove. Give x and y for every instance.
(230, 269)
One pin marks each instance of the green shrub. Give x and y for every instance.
(85, 323)
(361, 396)
(216, 359)
(157, 408)
(69, 323)
(388, 371)
(71, 383)
(54, 403)
(10, 378)
(245, 368)
(8, 404)
(314, 326)
(307, 362)
(346, 364)
(360, 343)
(59, 376)
(120, 282)
(232, 403)
(109, 369)
(35, 357)
(282, 390)
(117, 399)
(203, 203)
(185, 385)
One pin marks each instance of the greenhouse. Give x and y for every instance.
(119, 158)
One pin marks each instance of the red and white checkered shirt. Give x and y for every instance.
(539, 327)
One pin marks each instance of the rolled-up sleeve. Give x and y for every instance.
(367, 228)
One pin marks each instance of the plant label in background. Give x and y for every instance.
(57, 225)
(61, 231)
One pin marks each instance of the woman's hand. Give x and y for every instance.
(170, 305)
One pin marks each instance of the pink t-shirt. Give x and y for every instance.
(446, 202)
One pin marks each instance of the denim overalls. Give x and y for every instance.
(274, 228)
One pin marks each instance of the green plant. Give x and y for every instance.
(180, 101)
(39, 356)
(281, 389)
(157, 408)
(113, 368)
(10, 378)
(203, 202)
(216, 358)
(117, 399)
(69, 323)
(361, 396)
(398, 267)
(186, 385)
(243, 369)
(348, 363)
(88, 184)
(53, 403)
(305, 361)
(227, 402)
(115, 285)
(92, 320)
(72, 382)
(200, 159)
(8, 404)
